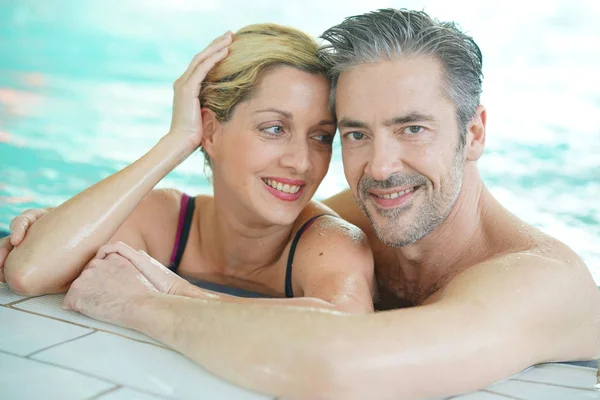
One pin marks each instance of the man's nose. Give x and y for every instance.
(385, 158)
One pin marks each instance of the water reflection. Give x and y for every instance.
(85, 87)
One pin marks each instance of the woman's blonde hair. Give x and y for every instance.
(256, 49)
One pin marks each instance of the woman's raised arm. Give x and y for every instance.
(60, 244)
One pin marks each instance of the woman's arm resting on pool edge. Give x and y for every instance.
(491, 322)
(58, 246)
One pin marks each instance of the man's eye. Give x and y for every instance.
(413, 129)
(355, 135)
(273, 130)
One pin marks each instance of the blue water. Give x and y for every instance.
(85, 88)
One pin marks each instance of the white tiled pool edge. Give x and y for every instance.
(61, 360)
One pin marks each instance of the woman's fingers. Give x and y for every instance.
(21, 224)
(195, 80)
(217, 45)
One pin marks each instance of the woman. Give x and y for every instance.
(257, 104)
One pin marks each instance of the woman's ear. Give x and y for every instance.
(476, 134)
(210, 128)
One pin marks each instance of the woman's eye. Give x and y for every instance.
(273, 130)
(355, 135)
(413, 130)
(325, 138)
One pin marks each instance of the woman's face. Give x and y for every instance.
(275, 150)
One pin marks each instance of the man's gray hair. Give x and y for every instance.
(389, 34)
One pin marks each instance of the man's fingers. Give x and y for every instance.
(66, 304)
(216, 45)
(119, 248)
(156, 273)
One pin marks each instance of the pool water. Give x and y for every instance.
(85, 88)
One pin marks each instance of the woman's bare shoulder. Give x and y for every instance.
(331, 231)
(157, 215)
(332, 250)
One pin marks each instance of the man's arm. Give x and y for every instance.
(492, 321)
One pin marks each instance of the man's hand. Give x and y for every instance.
(108, 289)
(163, 279)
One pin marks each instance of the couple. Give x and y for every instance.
(472, 293)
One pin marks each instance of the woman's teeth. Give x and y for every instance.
(397, 194)
(282, 187)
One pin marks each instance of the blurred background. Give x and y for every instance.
(85, 88)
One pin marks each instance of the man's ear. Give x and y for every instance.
(210, 127)
(476, 134)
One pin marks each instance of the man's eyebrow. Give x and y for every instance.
(408, 118)
(286, 114)
(403, 119)
(351, 123)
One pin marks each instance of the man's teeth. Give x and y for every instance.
(397, 194)
(282, 187)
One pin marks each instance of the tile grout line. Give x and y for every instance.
(22, 300)
(50, 317)
(153, 394)
(58, 344)
(61, 367)
(89, 327)
(84, 373)
(10, 354)
(508, 396)
(111, 390)
(88, 375)
(556, 385)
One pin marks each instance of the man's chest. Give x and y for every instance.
(393, 286)
(402, 286)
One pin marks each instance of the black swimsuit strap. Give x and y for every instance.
(185, 233)
(288, 271)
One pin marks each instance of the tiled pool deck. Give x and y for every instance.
(50, 353)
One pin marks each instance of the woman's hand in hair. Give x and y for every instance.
(186, 122)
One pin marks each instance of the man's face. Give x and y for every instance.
(400, 146)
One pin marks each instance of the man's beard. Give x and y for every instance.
(432, 213)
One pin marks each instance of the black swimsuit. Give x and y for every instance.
(183, 230)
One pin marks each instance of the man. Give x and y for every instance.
(474, 294)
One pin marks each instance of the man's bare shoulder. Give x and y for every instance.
(541, 271)
(509, 237)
